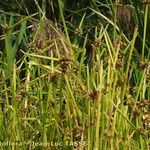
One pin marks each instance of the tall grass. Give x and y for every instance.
(53, 98)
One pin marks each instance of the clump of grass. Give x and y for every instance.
(51, 99)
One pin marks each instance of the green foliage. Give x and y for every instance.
(78, 81)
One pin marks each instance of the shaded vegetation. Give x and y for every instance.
(74, 75)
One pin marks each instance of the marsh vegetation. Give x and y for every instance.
(74, 75)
